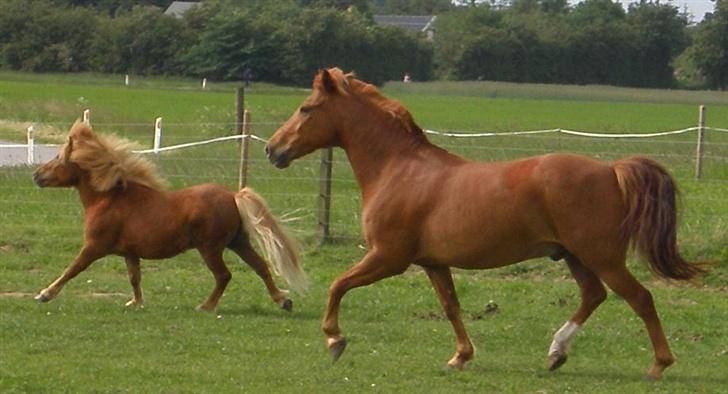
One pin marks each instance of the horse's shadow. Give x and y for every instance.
(258, 311)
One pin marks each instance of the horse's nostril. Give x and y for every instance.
(267, 151)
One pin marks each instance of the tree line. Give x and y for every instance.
(649, 44)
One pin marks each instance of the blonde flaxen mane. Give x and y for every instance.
(109, 160)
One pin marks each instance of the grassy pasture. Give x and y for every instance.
(86, 341)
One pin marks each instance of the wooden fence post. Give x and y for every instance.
(31, 146)
(239, 108)
(324, 211)
(243, 173)
(157, 135)
(700, 151)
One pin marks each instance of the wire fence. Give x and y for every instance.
(298, 193)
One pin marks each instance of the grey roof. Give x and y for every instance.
(407, 22)
(178, 8)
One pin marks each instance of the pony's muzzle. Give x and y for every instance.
(38, 179)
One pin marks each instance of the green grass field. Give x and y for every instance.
(87, 341)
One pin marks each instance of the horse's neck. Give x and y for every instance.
(377, 155)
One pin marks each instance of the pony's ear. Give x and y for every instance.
(328, 82)
(67, 149)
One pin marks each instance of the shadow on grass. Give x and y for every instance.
(272, 311)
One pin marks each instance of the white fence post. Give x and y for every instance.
(157, 134)
(87, 116)
(700, 151)
(204, 83)
(126, 79)
(31, 146)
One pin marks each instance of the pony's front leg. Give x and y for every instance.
(373, 267)
(135, 278)
(441, 279)
(82, 261)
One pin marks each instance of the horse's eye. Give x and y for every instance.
(305, 109)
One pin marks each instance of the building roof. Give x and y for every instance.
(408, 22)
(178, 8)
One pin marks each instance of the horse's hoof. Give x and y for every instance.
(42, 297)
(556, 360)
(337, 348)
(287, 305)
(204, 308)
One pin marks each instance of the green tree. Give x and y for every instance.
(38, 36)
(709, 51)
(142, 41)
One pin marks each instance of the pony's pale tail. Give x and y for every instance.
(279, 249)
(651, 222)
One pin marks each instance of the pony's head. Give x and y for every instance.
(105, 162)
(312, 125)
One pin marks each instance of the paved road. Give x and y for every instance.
(19, 156)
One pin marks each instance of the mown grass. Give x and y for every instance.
(86, 341)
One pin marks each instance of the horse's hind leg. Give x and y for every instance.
(441, 279)
(258, 264)
(592, 295)
(213, 259)
(135, 278)
(640, 299)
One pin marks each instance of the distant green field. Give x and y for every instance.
(86, 341)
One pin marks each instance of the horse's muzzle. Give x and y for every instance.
(278, 159)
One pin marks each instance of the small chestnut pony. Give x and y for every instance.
(129, 213)
(423, 205)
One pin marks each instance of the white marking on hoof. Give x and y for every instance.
(562, 341)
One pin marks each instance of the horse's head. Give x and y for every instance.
(312, 125)
(59, 171)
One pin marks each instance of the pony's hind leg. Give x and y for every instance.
(258, 264)
(213, 259)
(592, 295)
(441, 279)
(640, 299)
(135, 278)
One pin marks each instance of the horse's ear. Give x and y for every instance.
(328, 82)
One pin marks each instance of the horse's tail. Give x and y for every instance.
(279, 249)
(650, 226)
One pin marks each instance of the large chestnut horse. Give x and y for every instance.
(425, 206)
(128, 213)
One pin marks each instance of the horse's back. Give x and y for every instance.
(492, 214)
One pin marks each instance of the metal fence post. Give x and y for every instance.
(31, 146)
(157, 135)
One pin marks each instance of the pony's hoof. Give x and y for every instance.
(336, 349)
(556, 360)
(287, 305)
(134, 303)
(42, 297)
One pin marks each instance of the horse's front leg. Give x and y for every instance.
(441, 279)
(135, 278)
(373, 267)
(87, 256)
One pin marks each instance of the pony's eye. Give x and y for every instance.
(305, 109)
